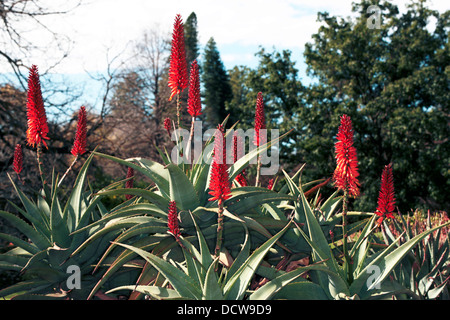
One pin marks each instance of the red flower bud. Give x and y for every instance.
(346, 173)
(37, 120)
(194, 100)
(386, 198)
(18, 159)
(79, 145)
(219, 182)
(172, 219)
(178, 77)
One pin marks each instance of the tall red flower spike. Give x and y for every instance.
(219, 182)
(129, 183)
(178, 77)
(79, 145)
(194, 101)
(237, 154)
(260, 121)
(270, 184)
(37, 120)
(18, 159)
(167, 125)
(346, 173)
(386, 198)
(172, 219)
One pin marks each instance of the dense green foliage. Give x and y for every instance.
(392, 81)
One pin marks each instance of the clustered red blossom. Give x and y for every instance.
(270, 184)
(167, 125)
(178, 77)
(79, 145)
(219, 182)
(172, 219)
(18, 159)
(260, 121)
(37, 120)
(346, 173)
(194, 99)
(386, 198)
(129, 183)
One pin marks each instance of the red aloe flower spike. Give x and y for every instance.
(346, 172)
(172, 219)
(219, 182)
(37, 120)
(178, 77)
(260, 121)
(18, 159)
(79, 145)
(237, 154)
(386, 198)
(194, 101)
(129, 183)
(270, 184)
(167, 125)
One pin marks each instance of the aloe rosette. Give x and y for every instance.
(53, 230)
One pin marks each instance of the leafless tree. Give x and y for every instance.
(17, 19)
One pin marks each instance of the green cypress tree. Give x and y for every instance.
(217, 89)
(191, 39)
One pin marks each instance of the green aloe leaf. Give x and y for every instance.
(211, 288)
(74, 206)
(32, 212)
(126, 256)
(244, 199)
(322, 251)
(36, 237)
(237, 285)
(153, 291)
(270, 289)
(25, 245)
(161, 202)
(244, 161)
(123, 212)
(28, 286)
(59, 228)
(241, 257)
(360, 247)
(153, 170)
(184, 285)
(181, 189)
(302, 290)
(385, 263)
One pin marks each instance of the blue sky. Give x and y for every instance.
(106, 27)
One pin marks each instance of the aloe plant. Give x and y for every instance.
(371, 265)
(47, 261)
(143, 218)
(199, 277)
(423, 273)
